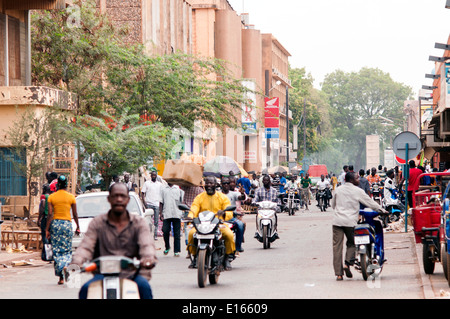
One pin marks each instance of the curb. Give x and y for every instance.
(427, 287)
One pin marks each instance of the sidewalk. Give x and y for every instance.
(8, 258)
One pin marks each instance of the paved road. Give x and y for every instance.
(298, 266)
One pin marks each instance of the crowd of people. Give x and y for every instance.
(58, 207)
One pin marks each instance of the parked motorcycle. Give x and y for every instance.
(210, 245)
(111, 286)
(369, 244)
(394, 206)
(291, 202)
(266, 223)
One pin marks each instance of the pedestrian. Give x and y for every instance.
(363, 182)
(171, 197)
(43, 216)
(306, 185)
(246, 183)
(59, 226)
(346, 204)
(129, 183)
(53, 181)
(234, 197)
(151, 193)
(414, 174)
(119, 233)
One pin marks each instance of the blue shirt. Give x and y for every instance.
(245, 182)
(283, 182)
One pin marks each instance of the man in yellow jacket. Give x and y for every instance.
(215, 202)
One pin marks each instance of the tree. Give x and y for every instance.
(33, 137)
(119, 143)
(308, 103)
(357, 100)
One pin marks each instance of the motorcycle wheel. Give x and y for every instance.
(202, 269)
(427, 254)
(266, 242)
(364, 263)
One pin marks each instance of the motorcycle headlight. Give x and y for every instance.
(265, 213)
(205, 228)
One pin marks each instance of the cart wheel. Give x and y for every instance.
(427, 257)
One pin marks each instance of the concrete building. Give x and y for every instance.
(435, 132)
(16, 91)
(212, 28)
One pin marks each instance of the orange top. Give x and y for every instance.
(62, 202)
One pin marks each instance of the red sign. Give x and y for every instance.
(272, 112)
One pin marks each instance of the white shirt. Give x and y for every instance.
(388, 184)
(152, 191)
(170, 198)
(346, 204)
(322, 185)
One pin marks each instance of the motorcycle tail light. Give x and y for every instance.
(362, 231)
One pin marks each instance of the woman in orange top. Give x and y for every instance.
(59, 226)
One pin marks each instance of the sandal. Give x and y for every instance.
(166, 251)
(339, 278)
(348, 273)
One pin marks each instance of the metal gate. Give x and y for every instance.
(12, 183)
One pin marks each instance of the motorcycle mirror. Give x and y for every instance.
(183, 207)
(230, 208)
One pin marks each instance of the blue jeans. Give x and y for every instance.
(239, 232)
(145, 291)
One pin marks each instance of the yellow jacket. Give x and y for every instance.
(213, 203)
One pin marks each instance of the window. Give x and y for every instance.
(12, 183)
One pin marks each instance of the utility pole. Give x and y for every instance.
(304, 129)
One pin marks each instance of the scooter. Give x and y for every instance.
(394, 206)
(291, 203)
(111, 286)
(210, 245)
(266, 223)
(369, 242)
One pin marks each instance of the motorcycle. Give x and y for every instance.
(376, 192)
(322, 197)
(111, 286)
(210, 245)
(291, 203)
(369, 242)
(266, 223)
(394, 206)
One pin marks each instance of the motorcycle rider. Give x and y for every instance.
(234, 196)
(267, 192)
(118, 233)
(216, 202)
(389, 184)
(346, 204)
(323, 184)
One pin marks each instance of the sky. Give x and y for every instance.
(395, 36)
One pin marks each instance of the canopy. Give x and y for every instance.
(221, 165)
(275, 169)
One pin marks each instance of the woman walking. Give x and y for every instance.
(59, 226)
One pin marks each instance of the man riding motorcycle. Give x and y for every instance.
(216, 202)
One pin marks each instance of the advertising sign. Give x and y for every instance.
(272, 112)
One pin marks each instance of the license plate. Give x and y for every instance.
(205, 236)
(360, 240)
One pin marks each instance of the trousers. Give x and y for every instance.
(338, 242)
(230, 246)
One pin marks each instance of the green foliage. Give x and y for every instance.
(357, 100)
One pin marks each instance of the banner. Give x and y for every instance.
(272, 112)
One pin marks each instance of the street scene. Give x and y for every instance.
(217, 153)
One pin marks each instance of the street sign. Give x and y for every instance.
(403, 140)
(272, 133)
